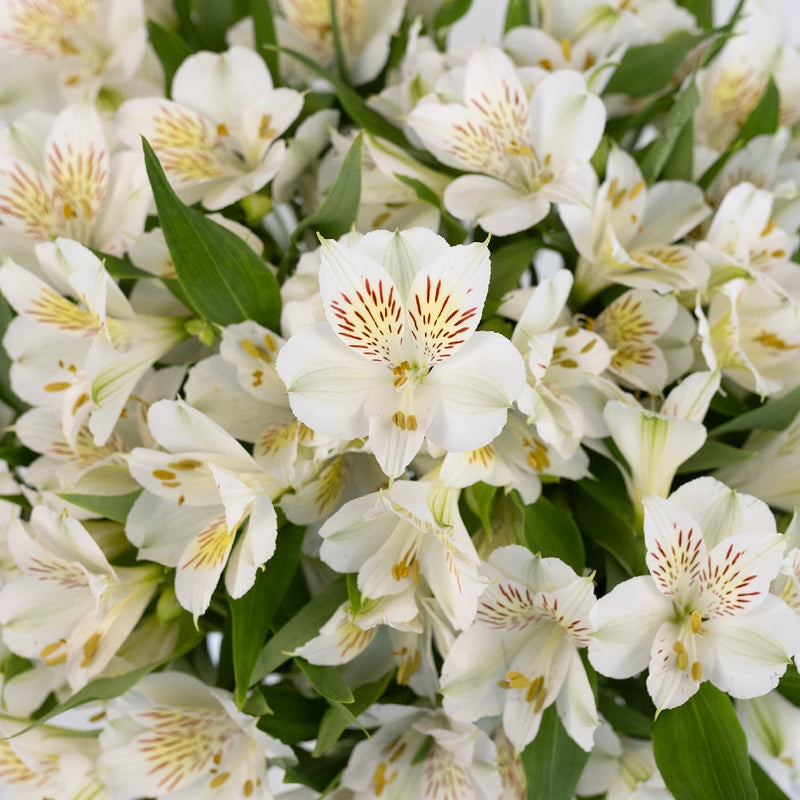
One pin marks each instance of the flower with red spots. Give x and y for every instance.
(704, 612)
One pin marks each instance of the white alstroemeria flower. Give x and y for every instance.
(85, 357)
(88, 47)
(395, 763)
(772, 472)
(199, 490)
(751, 332)
(772, 726)
(68, 605)
(654, 444)
(399, 359)
(173, 736)
(564, 394)
(621, 768)
(366, 30)
(398, 536)
(650, 337)
(62, 180)
(744, 240)
(514, 460)
(625, 233)
(521, 654)
(528, 154)
(217, 138)
(705, 611)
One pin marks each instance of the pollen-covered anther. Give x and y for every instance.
(57, 386)
(682, 655)
(696, 622)
(265, 130)
(380, 780)
(697, 671)
(218, 780)
(406, 669)
(90, 649)
(399, 419)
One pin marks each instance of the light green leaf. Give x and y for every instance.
(222, 277)
(551, 531)
(480, 499)
(518, 13)
(338, 211)
(338, 717)
(264, 26)
(648, 68)
(170, 48)
(304, 625)
(115, 507)
(326, 681)
(701, 750)
(261, 603)
(655, 156)
(509, 263)
(552, 761)
(774, 415)
(713, 454)
(450, 11)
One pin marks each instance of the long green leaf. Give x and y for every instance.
(339, 209)
(714, 454)
(509, 263)
(264, 25)
(774, 415)
(701, 750)
(115, 507)
(170, 48)
(222, 277)
(703, 11)
(299, 629)
(251, 614)
(518, 13)
(326, 681)
(353, 104)
(552, 761)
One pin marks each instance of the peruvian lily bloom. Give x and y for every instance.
(199, 491)
(399, 358)
(654, 444)
(705, 611)
(396, 537)
(173, 736)
(217, 139)
(67, 183)
(68, 606)
(418, 752)
(625, 233)
(521, 654)
(527, 154)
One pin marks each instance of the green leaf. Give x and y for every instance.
(121, 266)
(767, 790)
(170, 48)
(552, 761)
(789, 684)
(260, 604)
(701, 750)
(680, 164)
(295, 717)
(480, 499)
(518, 13)
(353, 592)
(341, 63)
(622, 717)
(703, 11)
(304, 625)
(213, 20)
(551, 531)
(338, 211)
(353, 103)
(774, 415)
(714, 454)
(326, 681)
(646, 69)
(114, 507)
(338, 717)
(223, 279)
(265, 39)
(509, 264)
(450, 11)
(655, 156)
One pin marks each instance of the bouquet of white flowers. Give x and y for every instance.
(385, 418)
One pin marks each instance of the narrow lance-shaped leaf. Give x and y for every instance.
(170, 48)
(701, 749)
(552, 532)
(326, 681)
(518, 13)
(552, 761)
(223, 279)
(339, 209)
(115, 507)
(774, 415)
(264, 28)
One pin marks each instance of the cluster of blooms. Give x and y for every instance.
(433, 409)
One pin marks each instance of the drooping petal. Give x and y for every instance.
(253, 548)
(576, 705)
(671, 682)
